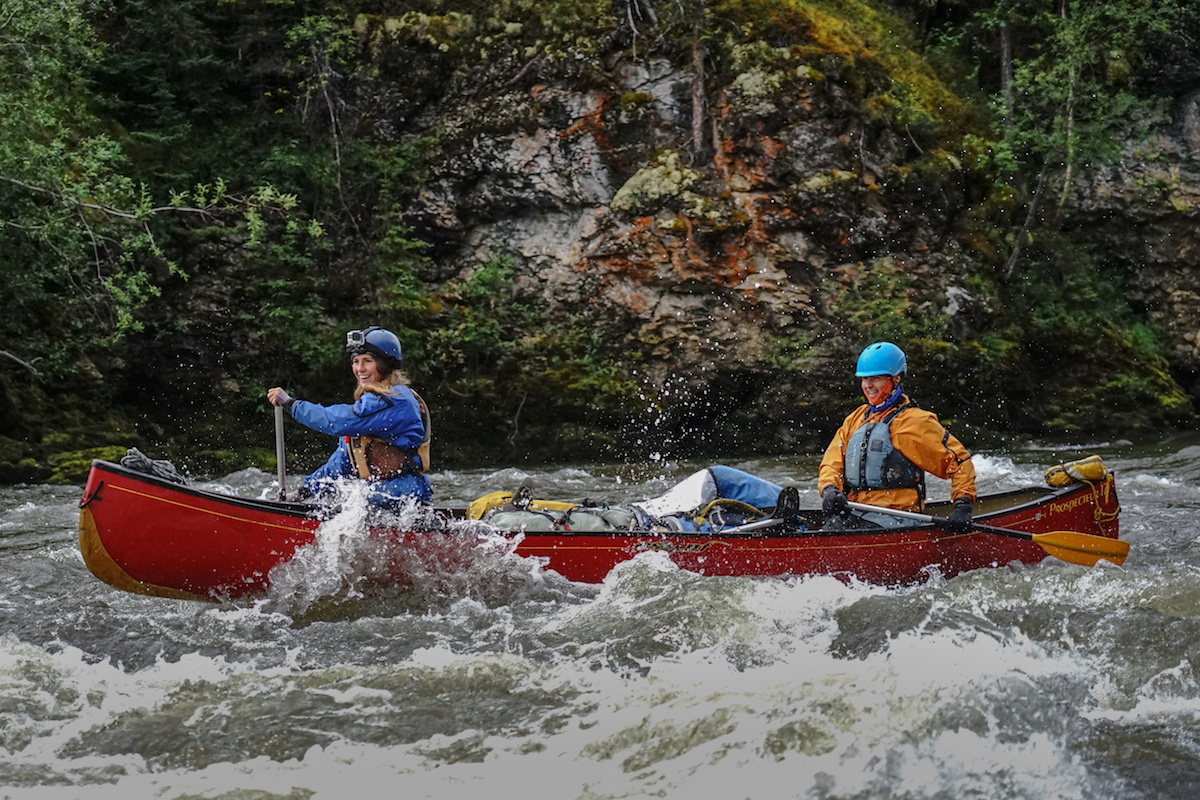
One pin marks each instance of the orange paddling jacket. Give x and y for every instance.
(920, 438)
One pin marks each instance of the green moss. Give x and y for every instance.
(576, 367)
(876, 298)
(11, 451)
(756, 90)
(16, 466)
(225, 461)
(880, 55)
(1131, 389)
(72, 466)
(790, 353)
(985, 225)
(441, 31)
(58, 440)
(631, 100)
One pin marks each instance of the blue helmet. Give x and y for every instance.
(881, 358)
(378, 342)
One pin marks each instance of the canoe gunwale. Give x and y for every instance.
(1040, 497)
(298, 510)
(148, 535)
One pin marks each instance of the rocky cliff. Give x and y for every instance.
(738, 224)
(1143, 214)
(671, 229)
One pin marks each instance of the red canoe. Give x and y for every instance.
(141, 533)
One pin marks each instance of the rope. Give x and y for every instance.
(138, 461)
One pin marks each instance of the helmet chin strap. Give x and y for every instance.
(891, 398)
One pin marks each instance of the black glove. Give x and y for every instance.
(959, 520)
(834, 502)
(283, 399)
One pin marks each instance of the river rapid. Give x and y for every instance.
(501, 679)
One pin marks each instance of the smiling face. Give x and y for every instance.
(365, 368)
(876, 388)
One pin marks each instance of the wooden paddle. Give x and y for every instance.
(279, 450)
(1070, 546)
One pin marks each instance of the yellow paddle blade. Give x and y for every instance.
(1082, 548)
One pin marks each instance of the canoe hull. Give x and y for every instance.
(142, 534)
(150, 536)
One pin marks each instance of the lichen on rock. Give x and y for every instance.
(666, 177)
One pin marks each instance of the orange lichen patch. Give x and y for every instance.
(592, 122)
(748, 160)
(643, 253)
(588, 121)
(751, 205)
(734, 265)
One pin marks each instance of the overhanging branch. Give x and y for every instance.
(22, 362)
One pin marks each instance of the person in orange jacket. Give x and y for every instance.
(884, 448)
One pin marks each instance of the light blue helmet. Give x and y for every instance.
(378, 342)
(881, 358)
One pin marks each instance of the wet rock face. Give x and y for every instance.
(697, 263)
(756, 244)
(1144, 212)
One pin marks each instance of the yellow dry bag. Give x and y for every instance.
(1086, 470)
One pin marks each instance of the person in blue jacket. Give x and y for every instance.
(384, 432)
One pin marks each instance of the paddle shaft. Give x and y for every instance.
(928, 518)
(753, 526)
(279, 450)
(1071, 546)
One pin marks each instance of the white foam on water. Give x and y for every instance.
(51, 698)
(1168, 699)
(923, 715)
(656, 683)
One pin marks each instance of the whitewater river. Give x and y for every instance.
(503, 680)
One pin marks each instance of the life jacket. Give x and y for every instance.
(375, 459)
(872, 462)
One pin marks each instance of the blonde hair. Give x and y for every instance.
(382, 386)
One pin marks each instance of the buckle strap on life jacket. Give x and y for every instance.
(427, 423)
(373, 459)
(872, 462)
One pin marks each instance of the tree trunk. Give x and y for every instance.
(1069, 158)
(1024, 233)
(1006, 75)
(699, 105)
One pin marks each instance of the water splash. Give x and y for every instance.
(364, 561)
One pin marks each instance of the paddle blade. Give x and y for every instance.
(1082, 548)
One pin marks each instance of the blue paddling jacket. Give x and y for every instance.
(395, 419)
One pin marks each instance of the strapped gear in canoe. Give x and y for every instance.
(713, 499)
(1098, 477)
(1084, 470)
